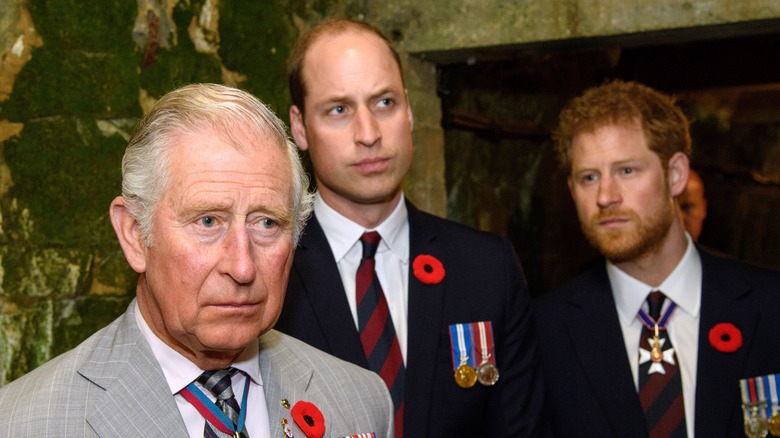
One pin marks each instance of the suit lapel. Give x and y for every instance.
(426, 303)
(136, 400)
(718, 374)
(317, 271)
(284, 378)
(593, 326)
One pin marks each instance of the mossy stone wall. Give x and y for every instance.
(74, 79)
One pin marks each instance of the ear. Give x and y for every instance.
(129, 234)
(298, 128)
(409, 111)
(679, 166)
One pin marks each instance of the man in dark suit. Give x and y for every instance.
(456, 298)
(618, 360)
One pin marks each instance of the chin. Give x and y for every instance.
(232, 337)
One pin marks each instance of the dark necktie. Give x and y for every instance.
(219, 383)
(660, 385)
(377, 332)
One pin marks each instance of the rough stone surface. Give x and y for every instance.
(74, 79)
(75, 76)
(433, 26)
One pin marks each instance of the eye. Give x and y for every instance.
(338, 109)
(628, 170)
(386, 102)
(208, 221)
(268, 223)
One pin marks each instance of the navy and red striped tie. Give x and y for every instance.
(660, 385)
(219, 383)
(377, 333)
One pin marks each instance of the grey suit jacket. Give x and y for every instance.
(112, 386)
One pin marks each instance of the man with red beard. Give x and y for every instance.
(654, 340)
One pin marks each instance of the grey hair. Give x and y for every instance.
(192, 108)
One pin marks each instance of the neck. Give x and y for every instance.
(655, 266)
(217, 361)
(367, 215)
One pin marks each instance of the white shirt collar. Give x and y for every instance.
(180, 371)
(343, 234)
(682, 286)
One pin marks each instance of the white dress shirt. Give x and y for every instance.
(683, 286)
(180, 372)
(392, 259)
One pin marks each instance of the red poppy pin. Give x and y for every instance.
(725, 337)
(428, 269)
(309, 418)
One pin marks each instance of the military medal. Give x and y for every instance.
(285, 424)
(487, 373)
(463, 362)
(465, 376)
(656, 344)
(759, 403)
(656, 354)
(470, 341)
(774, 422)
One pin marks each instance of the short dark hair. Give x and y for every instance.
(335, 26)
(663, 122)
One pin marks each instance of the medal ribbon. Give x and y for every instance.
(485, 340)
(213, 414)
(761, 388)
(650, 323)
(462, 341)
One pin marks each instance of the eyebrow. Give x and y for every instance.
(338, 98)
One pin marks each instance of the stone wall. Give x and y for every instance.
(500, 174)
(75, 77)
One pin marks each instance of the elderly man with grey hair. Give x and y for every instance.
(213, 201)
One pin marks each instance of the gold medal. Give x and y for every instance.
(774, 424)
(487, 374)
(656, 354)
(465, 376)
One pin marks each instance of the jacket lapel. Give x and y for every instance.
(724, 299)
(317, 271)
(284, 378)
(593, 326)
(426, 303)
(136, 400)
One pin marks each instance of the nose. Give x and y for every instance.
(238, 257)
(609, 193)
(367, 130)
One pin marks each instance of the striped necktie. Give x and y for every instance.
(377, 332)
(660, 385)
(219, 383)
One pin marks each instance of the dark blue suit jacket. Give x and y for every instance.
(589, 387)
(483, 282)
